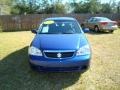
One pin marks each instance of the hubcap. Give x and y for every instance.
(96, 29)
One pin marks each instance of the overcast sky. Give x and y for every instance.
(102, 1)
(107, 1)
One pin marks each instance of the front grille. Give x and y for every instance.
(59, 68)
(59, 54)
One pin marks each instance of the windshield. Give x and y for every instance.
(59, 27)
(103, 19)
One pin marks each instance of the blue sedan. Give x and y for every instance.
(59, 45)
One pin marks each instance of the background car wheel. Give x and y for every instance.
(96, 29)
(83, 26)
(111, 31)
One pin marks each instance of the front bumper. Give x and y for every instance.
(77, 63)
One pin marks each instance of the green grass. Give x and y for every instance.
(15, 73)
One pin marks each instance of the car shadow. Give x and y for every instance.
(15, 73)
(97, 33)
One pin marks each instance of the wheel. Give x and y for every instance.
(96, 29)
(83, 26)
(111, 31)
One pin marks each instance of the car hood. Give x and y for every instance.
(59, 41)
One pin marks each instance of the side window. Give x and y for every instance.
(91, 20)
(95, 20)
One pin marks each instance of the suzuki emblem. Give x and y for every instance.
(59, 55)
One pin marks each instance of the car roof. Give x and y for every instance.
(60, 18)
(99, 17)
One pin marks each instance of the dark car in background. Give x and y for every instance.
(100, 24)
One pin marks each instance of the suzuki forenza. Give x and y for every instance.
(59, 45)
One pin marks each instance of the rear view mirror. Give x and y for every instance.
(34, 31)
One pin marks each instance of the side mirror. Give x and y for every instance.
(34, 31)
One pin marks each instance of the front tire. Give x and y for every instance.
(96, 29)
(111, 31)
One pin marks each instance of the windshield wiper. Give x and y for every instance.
(59, 33)
(68, 33)
(50, 33)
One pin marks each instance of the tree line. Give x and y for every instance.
(57, 6)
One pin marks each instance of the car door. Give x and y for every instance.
(92, 22)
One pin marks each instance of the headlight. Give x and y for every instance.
(85, 50)
(34, 51)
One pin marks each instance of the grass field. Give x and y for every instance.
(15, 73)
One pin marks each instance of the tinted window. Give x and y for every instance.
(60, 27)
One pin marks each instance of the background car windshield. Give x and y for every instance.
(103, 19)
(60, 27)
